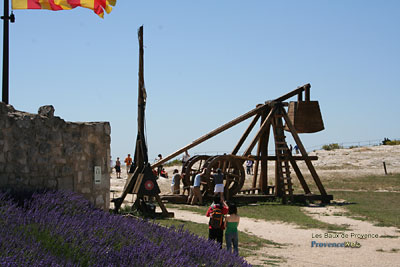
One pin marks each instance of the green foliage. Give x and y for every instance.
(332, 146)
(387, 141)
(175, 162)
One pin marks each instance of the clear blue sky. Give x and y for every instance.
(207, 62)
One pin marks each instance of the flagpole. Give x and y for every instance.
(6, 18)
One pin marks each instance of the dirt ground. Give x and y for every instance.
(380, 246)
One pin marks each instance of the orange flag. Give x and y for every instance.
(98, 6)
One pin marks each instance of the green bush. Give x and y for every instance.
(387, 141)
(173, 163)
(331, 146)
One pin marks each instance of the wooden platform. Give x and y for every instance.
(249, 198)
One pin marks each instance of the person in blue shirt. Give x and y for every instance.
(195, 193)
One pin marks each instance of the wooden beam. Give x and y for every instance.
(304, 153)
(255, 168)
(130, 183)
(264, 138)
(307, 93)
(299, 175)
(297, 91)
(212, 133)
(274, 157)
(245, 135)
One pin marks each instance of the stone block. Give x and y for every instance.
(36, 182)
(47, 111)
(23, 122)
(2, 167)
(44, 148)
(66, 170)
(85, 190)
(99, 201)
(92, 138)
(107, 128)
(3, 180)
(65, 183)
(52, 184)
(55, 137)
(80, 178)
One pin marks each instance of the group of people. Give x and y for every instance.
(117, 166)
(224, 216)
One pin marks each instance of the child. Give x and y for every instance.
(231, 233)
(216, 212)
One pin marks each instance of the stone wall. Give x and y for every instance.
(42, 151)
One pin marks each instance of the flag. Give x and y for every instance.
(98, 6)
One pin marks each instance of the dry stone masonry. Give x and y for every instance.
(42, 151)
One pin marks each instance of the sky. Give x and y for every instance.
(208, 62)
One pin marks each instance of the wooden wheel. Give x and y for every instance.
(233, 171)
(192, 167)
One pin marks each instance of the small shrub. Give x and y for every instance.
(173, 163)
(332, 146)
(387, 141)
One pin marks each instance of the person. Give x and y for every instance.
(118, 167)
(216, 226)
(296, 148)
(195, 193)
(160, 167)
(185, 158)
(219, 183)
(249, 166)
(128, 163)
(164, 173)
(290, 149)
(186, 184)
(176, 182)
(231, 226)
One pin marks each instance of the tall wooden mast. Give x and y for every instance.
(141, 157)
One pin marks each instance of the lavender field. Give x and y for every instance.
(62, 229)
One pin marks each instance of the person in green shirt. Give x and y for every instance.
(231, 226)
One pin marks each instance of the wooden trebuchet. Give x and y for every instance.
(272, 115)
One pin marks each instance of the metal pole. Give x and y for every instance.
(5, 51)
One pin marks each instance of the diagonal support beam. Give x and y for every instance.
(245, 135)
(266, 124)
(304, 153)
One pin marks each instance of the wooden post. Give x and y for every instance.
(264, 138)
(256, 164)
(300, 97)
(307, 92)
(384, 167)
(6, 19)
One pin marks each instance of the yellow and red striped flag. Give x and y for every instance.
(98, 6)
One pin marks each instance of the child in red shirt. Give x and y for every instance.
(217, 233)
